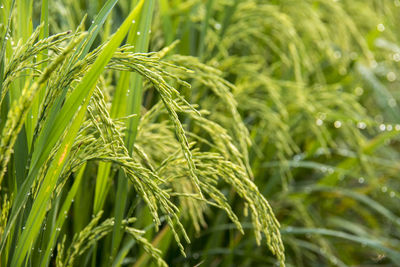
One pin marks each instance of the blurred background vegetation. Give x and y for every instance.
(301, 96)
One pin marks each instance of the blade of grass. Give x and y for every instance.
(133, 107)
(95, 28)
(168, 29)
(25, 29)
(38, 210)
(20, 152)
(347, 164)
(44, 20)
(84, 90)
(204, 27)
(375, 244)
(123, 252)
(161, 241)
(62, 216)
(382, 94)
(17, 115)
(4, 39)
(25, 103)
(118, 109)
(54, 128)
(359, 197)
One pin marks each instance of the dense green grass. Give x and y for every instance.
(208, 133)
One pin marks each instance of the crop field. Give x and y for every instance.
(199, 133)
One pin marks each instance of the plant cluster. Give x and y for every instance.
(214, 133)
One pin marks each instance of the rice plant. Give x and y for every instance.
(199, 133)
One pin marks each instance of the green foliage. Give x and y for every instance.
(111, 155)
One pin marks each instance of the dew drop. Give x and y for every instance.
(92, 21)
(23, 228)
(380, 27)
(218, 26)
(133, 21)
(138, 33)
(361, 180)
(359, 91)
(392, 194)
(392, 102)
(389, 127)
(391, 76)
(396, 57)
(337, 124)
(361, 125)
(1, 6)
(384, 189)
(322, 115)
(337, 54)
(297, 157)
(397, 127)
(382, 127)
(353, 55)
(319, 122)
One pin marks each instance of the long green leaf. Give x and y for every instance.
(84, 90)
(62, 216)
(16, 118)
(375, 244)
(134, 104)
